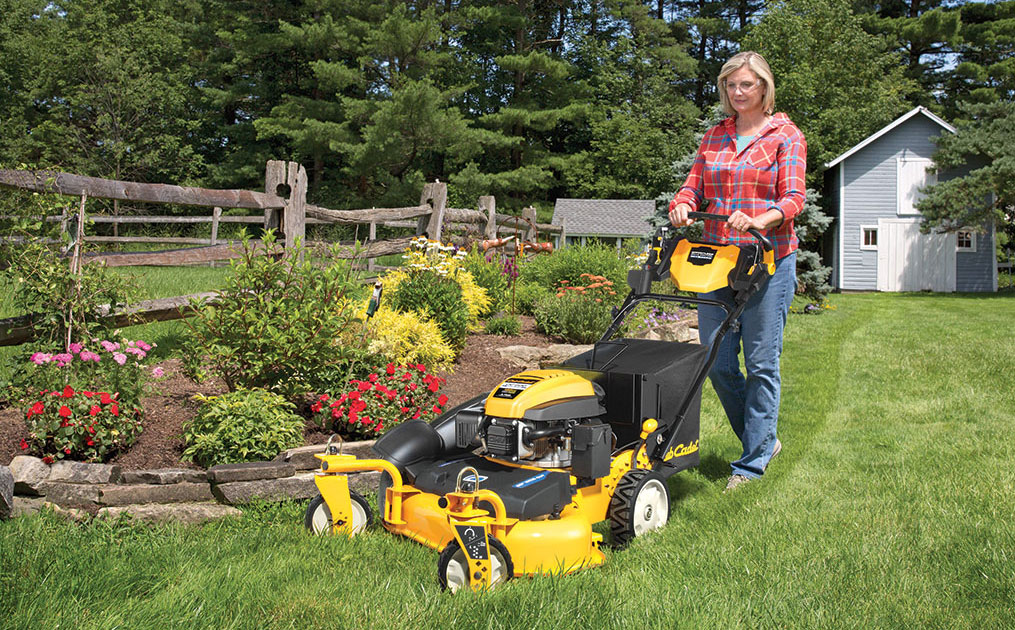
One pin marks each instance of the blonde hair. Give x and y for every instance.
(756, 64)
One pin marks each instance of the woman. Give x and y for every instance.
(751, 168)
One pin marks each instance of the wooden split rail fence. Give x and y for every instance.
(288, 214)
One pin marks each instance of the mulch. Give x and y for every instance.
(477, 371)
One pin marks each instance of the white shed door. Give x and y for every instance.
(911, 261)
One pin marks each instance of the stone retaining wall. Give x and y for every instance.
(166, 494)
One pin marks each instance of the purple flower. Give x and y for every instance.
(120, 357)
(76, 348)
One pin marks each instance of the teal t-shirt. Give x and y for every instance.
(742, 142)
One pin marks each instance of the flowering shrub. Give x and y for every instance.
(79, 424)
(578, 313)
(110, 366)
(383, 400)
(241, 426)
(408, 338)
(426, 255)
(568, 264)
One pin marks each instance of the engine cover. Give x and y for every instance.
(541, 394)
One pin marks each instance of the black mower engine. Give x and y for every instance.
(542, 418)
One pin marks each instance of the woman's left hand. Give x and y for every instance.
(741, 222)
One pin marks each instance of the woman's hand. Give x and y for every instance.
(678, 214)
(740, 222)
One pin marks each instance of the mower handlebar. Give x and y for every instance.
(707, 216)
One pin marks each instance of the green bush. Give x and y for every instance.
(489, 274)
(527, 294)
(241, 426)
(568, 265)
(505, 325)
(277, 323)
(577, 313)
(440, 298)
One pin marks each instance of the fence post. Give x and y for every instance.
(373, 237)
(274, 176)
(216, 214)
(488, 204)
(529, 214)
(294, 216)
(436, 194)
(562, 239)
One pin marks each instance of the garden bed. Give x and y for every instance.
(477, 371)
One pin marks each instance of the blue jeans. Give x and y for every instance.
(751, 403)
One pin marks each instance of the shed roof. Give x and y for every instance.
(892, 125)
(604, 217)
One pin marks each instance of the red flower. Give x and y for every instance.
(436, 409)
(88, 394)
(405, 410)
(68, 392)
(434, 386)
(315, 407)
(358, 406)
(406, 376)
(115, 410)
(421, 367)
(390, 369)
(442, 400)
(391, 395)
(91, 429)
(64, 411)
(352, 417)
(324, 397)
(105, 399)
(353, 395)
(94, 411)
(363, 385)
(373, 378)
(66, 451)
(336, 413)
(90, 442)
(38, 407)
(411, 387)
(416, 415)
(24, 444)
(47, 460)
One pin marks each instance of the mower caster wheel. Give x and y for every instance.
(453, 566)
(640, 504)
(318, 516)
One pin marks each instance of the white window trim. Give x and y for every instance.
(868, 248)
(901, 208)
(972, 238)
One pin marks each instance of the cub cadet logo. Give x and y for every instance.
(680, 450)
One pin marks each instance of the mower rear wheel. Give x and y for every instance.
(318, 516)
(453, 566)
(640, 504)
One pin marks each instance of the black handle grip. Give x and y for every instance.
(708, 216)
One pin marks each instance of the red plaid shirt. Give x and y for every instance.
(767, 174)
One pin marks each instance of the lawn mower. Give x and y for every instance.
(511, 483)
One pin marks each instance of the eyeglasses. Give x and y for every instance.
(743, 86)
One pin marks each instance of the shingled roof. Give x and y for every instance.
(604, 217)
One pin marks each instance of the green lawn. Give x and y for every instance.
(890, 507)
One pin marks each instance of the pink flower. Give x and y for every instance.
(63, 359)
(76, 348)
(120, 357)
(136, 351)
(109, 346)
(158, 372)
(41, 357)
(88, 355)
(143, 346)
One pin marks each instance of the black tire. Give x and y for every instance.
(640, 504)
(452, 566)
(318, 516)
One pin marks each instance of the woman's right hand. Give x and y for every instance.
(678, 214)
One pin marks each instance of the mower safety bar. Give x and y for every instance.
(707, 216)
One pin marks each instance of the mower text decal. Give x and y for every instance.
(701, 255)
(473, 541)
(680, 450)
(510, 389)
(531, 480)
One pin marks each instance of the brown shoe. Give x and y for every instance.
(775, 451)
(734, 482)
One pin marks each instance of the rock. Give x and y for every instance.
(73, 514)
(29, 473)
(163, 476)
(24, 506)
(6, 493)
(191, 513)
(296, 487)
(671, 331)
(154, 493)
(78, 472)
(365, 482)
(71, 494)
(249, 471)
(302, 458)
(533, 357)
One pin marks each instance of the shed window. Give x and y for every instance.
(965, 241)
(868, 237)
(912, 176)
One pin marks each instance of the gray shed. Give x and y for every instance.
(877, 244)
(603, 219)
